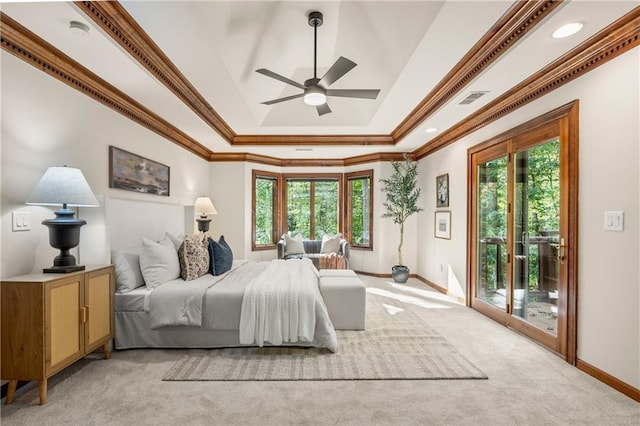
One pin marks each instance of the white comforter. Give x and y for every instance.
(273, 303)
(279, 306)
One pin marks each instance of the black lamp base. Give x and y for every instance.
(203, 224)
(64, 234)
(63, 269)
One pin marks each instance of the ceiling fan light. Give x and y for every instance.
(315, 98)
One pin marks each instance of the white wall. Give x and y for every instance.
(231, 188)
(47, 123)
(609, 282)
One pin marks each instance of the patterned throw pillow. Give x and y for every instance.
(194, 257)
(330, 244)
(221, 256)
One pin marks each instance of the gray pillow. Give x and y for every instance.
(159, 262)
(128, 273)
(221, 256)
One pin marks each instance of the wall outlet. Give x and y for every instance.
(20, 221)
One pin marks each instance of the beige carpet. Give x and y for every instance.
(394, 347)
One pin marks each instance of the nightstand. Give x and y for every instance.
(49, 321)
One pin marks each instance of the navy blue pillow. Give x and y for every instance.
(221, 256)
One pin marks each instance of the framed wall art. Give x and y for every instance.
(133, 172)
(442, 190)
(443, 225)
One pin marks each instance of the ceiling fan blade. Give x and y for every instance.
(337, 70)
(323, 109)
(280, 78)
(286, 98)
(354, 93)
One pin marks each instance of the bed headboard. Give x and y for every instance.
(130, 220)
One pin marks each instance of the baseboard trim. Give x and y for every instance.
(373, 274)
(608, 379)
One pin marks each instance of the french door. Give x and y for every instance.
(522, 220)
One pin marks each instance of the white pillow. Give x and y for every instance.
(175, 239)
(159, 262)
(293, 245)
(330, 244)
(128, 273)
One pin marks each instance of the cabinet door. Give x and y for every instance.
(63, 322)
(99, 305)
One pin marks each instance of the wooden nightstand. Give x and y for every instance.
(49, 321)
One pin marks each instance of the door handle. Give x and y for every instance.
(561, 248)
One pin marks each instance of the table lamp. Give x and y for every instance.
(203, 207)
(66, 187)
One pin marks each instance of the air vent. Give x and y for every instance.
(472, 97)
(304, 149)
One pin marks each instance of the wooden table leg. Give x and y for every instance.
(11, 390)
(42, 389)
(107, 353)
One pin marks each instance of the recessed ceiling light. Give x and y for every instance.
(79, 28)
(567, 30)
(430, 130)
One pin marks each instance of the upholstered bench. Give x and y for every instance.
(345, 298)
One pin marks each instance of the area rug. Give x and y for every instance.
(395, 346)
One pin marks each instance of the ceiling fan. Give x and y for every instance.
(316, 90)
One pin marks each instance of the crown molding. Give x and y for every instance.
(271, 140)
(614, 40)
(504, 34)
(116, 22)
(27, 46)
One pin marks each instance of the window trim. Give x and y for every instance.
(348, 207)
(257, 174)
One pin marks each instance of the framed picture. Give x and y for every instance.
(442, 190)
(135, 173)
(443, 225)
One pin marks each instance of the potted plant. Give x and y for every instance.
(402, 196)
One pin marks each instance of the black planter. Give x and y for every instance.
(400, 273)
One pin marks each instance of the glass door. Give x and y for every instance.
(520, 220)
(536, 235)
(491, 241)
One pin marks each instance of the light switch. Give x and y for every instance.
(20, 221)
(614, 221)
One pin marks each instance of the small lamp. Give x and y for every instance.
(203, 207)
(66, 187)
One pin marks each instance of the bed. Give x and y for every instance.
(208, 311)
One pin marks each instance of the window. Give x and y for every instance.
(264, 216)
(313, 205)
(359, 211)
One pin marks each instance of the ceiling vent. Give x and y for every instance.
(472, 97)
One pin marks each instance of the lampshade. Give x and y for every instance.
(63, 186)
(204, 206)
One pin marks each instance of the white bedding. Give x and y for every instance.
(279, 305)
(215, 303)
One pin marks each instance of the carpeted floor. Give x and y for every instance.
(528, 385)
(400, 347)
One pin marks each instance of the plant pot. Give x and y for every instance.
(400, 273)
